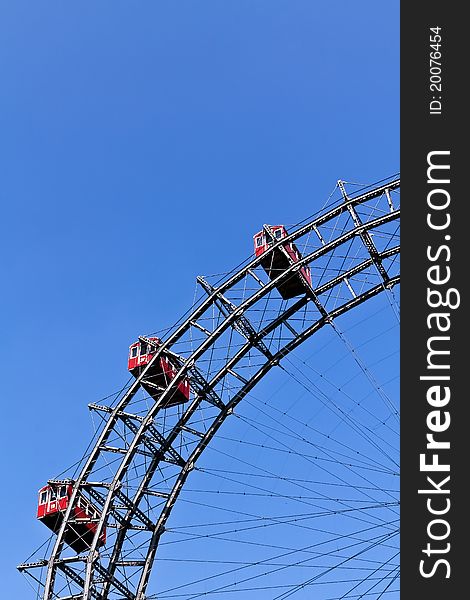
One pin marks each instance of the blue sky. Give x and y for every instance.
(142, 144)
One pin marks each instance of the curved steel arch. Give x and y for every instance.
(350, 252)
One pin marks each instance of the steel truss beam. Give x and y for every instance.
(159, 447)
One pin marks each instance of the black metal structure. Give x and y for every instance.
(225, 346)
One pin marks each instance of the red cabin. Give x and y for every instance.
(275, 262)
(160, 373)
(52, 504)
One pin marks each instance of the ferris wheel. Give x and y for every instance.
(289, 490)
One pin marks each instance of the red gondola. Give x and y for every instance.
(160, 373)
(275, 262)
(54, 500)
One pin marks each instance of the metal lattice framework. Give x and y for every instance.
(231, 339)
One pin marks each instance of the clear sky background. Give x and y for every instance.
(141, 144)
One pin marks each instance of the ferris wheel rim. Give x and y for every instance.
(92, 559)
